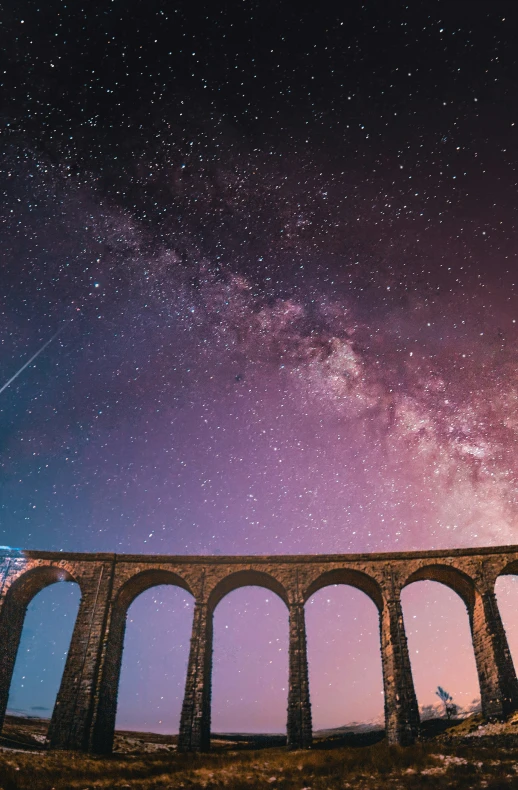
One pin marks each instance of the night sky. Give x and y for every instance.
(278, 243)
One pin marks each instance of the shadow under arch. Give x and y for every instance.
(246, 578)
(17, 598)
(104, 727)
(451, 577)
(353, 578)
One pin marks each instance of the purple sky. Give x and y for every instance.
(281, 246)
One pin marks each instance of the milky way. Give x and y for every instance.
(290, 297)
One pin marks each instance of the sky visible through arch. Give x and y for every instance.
(281, 248)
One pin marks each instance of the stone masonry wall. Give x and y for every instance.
(84, 714)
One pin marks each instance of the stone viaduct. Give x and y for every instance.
(85, 709)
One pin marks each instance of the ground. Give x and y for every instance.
(465, 754)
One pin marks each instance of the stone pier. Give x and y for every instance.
(86, 705)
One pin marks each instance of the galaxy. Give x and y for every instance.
(258, 296)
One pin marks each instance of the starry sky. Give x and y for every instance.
(278, 244)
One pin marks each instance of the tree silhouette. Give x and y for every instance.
(447, 700)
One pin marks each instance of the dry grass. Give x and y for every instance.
(428, 765)
(452, 759)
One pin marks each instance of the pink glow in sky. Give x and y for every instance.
(283, 252)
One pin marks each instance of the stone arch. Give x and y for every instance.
(30, 582)
(511, 569)
(16, 600)
(247, 662)
(362, 581)
(503, 611)
(104, 728)
(351, 621)
(245, 578)
(465, 588)
(142, 581)
(448, 575)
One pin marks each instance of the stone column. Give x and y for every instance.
(102, 731)
(496, 673)
(12, 615)
(195, 720)
(70, 727)
(300, 735)
(401, 709)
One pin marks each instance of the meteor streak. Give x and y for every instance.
(26, 365)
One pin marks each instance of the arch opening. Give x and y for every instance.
(440, 647)
(351, 578)
(31, 582)
(506, 591)
(48, 610)
(140, 582)
(104, 727)
(154, 659)
(246, 578)
(250, 663)
(344, 657)
(450, 577)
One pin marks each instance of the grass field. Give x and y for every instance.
(453, 759)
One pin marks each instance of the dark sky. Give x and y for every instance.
(278, 241)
